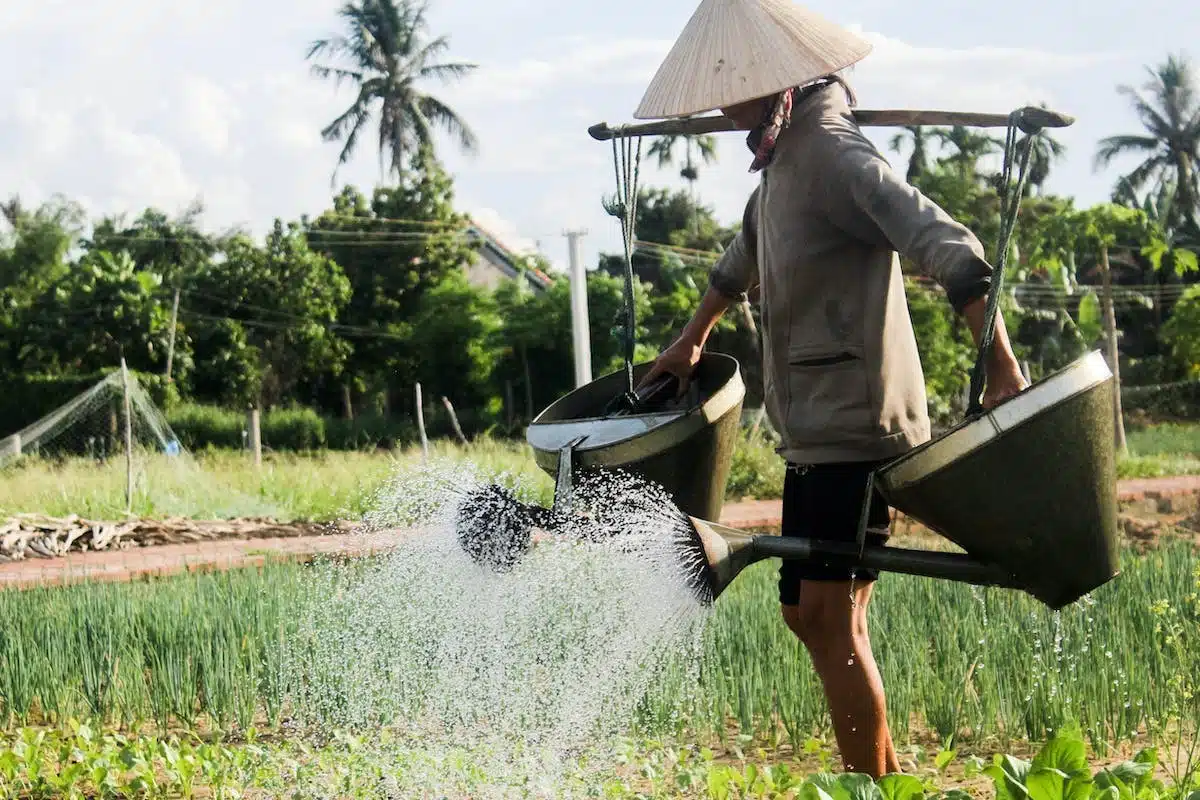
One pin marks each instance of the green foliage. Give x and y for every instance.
(453, 331)
(756, 470)
(101, 309)
(535, 334)
(1181, 333)
(285, 298)
(174, 249)
(946, 349)
(393, 247)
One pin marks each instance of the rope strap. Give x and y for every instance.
(627, 166)
(1010, 205)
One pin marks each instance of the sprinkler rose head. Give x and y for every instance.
(496, 529)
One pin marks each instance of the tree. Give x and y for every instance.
(1046, 150)
(1182, 332)
(33, 259)
(674, 259)
(393, 247)
(1169, 109)
(969, 146)
(663, 149)
(174, 248)
(918, 161)
(534, 341)
(452, 330)
(101, 310)
(285, 298)
(386, 57)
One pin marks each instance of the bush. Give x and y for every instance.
(200, 427)
(757, 470)
(292, 429)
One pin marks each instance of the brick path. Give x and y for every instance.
(223, 554)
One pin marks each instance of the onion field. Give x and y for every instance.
(960, 662)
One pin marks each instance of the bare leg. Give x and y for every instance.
(834, 630)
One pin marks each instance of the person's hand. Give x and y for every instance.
(1004, 380)
(679, 359)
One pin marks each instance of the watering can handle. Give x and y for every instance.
(661, 388)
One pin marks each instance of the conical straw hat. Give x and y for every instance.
(732, 51)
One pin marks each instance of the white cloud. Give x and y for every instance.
(576, 62)
(503, 230)
(207, 114)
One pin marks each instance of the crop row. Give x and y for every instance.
(959, 660)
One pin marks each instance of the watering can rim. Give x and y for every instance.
(671, 429)
(1082, 375)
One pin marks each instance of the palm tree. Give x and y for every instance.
(1046, 150)
(918, 161)
(969, 146)
(1170, 112)
(386, 56)
(663, 149)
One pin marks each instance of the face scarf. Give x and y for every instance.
(761, 140)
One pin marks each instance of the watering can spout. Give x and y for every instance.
(720, 553)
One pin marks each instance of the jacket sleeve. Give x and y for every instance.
(736, 271)
(867, 198)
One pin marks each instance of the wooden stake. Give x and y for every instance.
(421, 425)
(508, 403)
(528, 385)
(128, 437)
(1110, 325)
(454, 420)
(255, 436)
(171, 343)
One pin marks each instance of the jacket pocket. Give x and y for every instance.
(829, 398)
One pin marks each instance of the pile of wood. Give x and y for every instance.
(39, 536)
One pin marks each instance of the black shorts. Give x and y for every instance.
(824, 501)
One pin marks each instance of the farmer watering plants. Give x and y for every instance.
(820, 246)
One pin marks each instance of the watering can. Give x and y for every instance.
(1027, 489)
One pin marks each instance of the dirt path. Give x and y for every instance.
(1150, 497)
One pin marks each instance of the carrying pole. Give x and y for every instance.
(1029, 119)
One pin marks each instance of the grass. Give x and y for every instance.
(1161, 451)
(330, 485)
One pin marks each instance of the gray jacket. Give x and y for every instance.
(819, 242)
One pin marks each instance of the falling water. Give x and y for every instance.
(504, 683)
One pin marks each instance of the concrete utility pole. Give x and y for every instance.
(579, 311)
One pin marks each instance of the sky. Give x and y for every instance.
(123, 104)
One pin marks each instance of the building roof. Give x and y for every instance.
(506, 260)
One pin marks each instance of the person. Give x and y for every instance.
(820, 245)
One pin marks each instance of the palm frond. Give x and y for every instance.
(446, 72)
(1114, 146)
(337, 73)
(662, 149)
(438, 113)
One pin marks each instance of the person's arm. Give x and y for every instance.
(868, 199)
